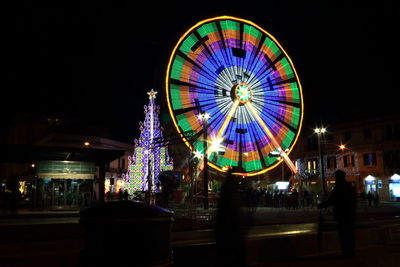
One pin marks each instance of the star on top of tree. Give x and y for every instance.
(152, 94)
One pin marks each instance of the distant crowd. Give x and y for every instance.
(261, 198)
(279, 198)
(371, 198)
(292, 200)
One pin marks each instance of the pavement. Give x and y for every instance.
(278, 237)
(375, 256)
(297, 245)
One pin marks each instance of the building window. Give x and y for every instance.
(367, 133)
(348, 160)
(311, 166)
(388, 156)
(389, 132)
(312, 144)
(347, 136)
(331, 162)
(53, 121)
(122, 163)
(396, 131)
(392, 160)
(369, 159)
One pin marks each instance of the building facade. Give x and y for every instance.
(54, 166)
(367, 150)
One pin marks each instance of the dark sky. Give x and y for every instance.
(96, 60)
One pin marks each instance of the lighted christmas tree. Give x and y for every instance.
(149, 157)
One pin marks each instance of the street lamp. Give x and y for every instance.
(197, 154)
(320, 131)
(216, 145)
(342, 147)
(348, 157)
(203, 117)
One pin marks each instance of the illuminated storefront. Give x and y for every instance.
(282, 185)
(113, 184)
(64, 184)
(370, 184)
(394, 187)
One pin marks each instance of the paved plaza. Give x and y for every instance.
(277, 237)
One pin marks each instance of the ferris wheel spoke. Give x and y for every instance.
(227, 119)
(193, 61)
(263, 70)
(273, 115)
(189, 84)
(202, 42)
(281, 103)
(255, 55)
(254, 135)
(271, 137)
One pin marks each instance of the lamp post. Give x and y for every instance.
(149, 178)
(204, 118)
(320, 132)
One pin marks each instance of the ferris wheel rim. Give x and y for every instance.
(300, 91)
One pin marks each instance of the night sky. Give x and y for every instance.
(95, 61)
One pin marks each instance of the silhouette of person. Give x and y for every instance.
(343, 200)
(125, 195)
(369, 198)
(376, 199)
(230, 226)
(14, 196)
(120, 194)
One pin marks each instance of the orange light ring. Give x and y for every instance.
(238, 98)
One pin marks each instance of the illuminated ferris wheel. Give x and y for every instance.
(236, 75)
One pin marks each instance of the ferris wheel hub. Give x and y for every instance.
(242, 92)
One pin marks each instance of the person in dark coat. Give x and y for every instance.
(343, 200)
(376, 199)
(125, 195)
(369, 198)
(120, 194)
(230, 225)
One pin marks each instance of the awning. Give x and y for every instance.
(72, 176)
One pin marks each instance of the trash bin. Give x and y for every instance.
(126, 233)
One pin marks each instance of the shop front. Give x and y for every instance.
(64, 184)
(281, 185)
(385, 188)
(394, 187)
(370, 184)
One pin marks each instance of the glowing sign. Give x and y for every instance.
(282, 185)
